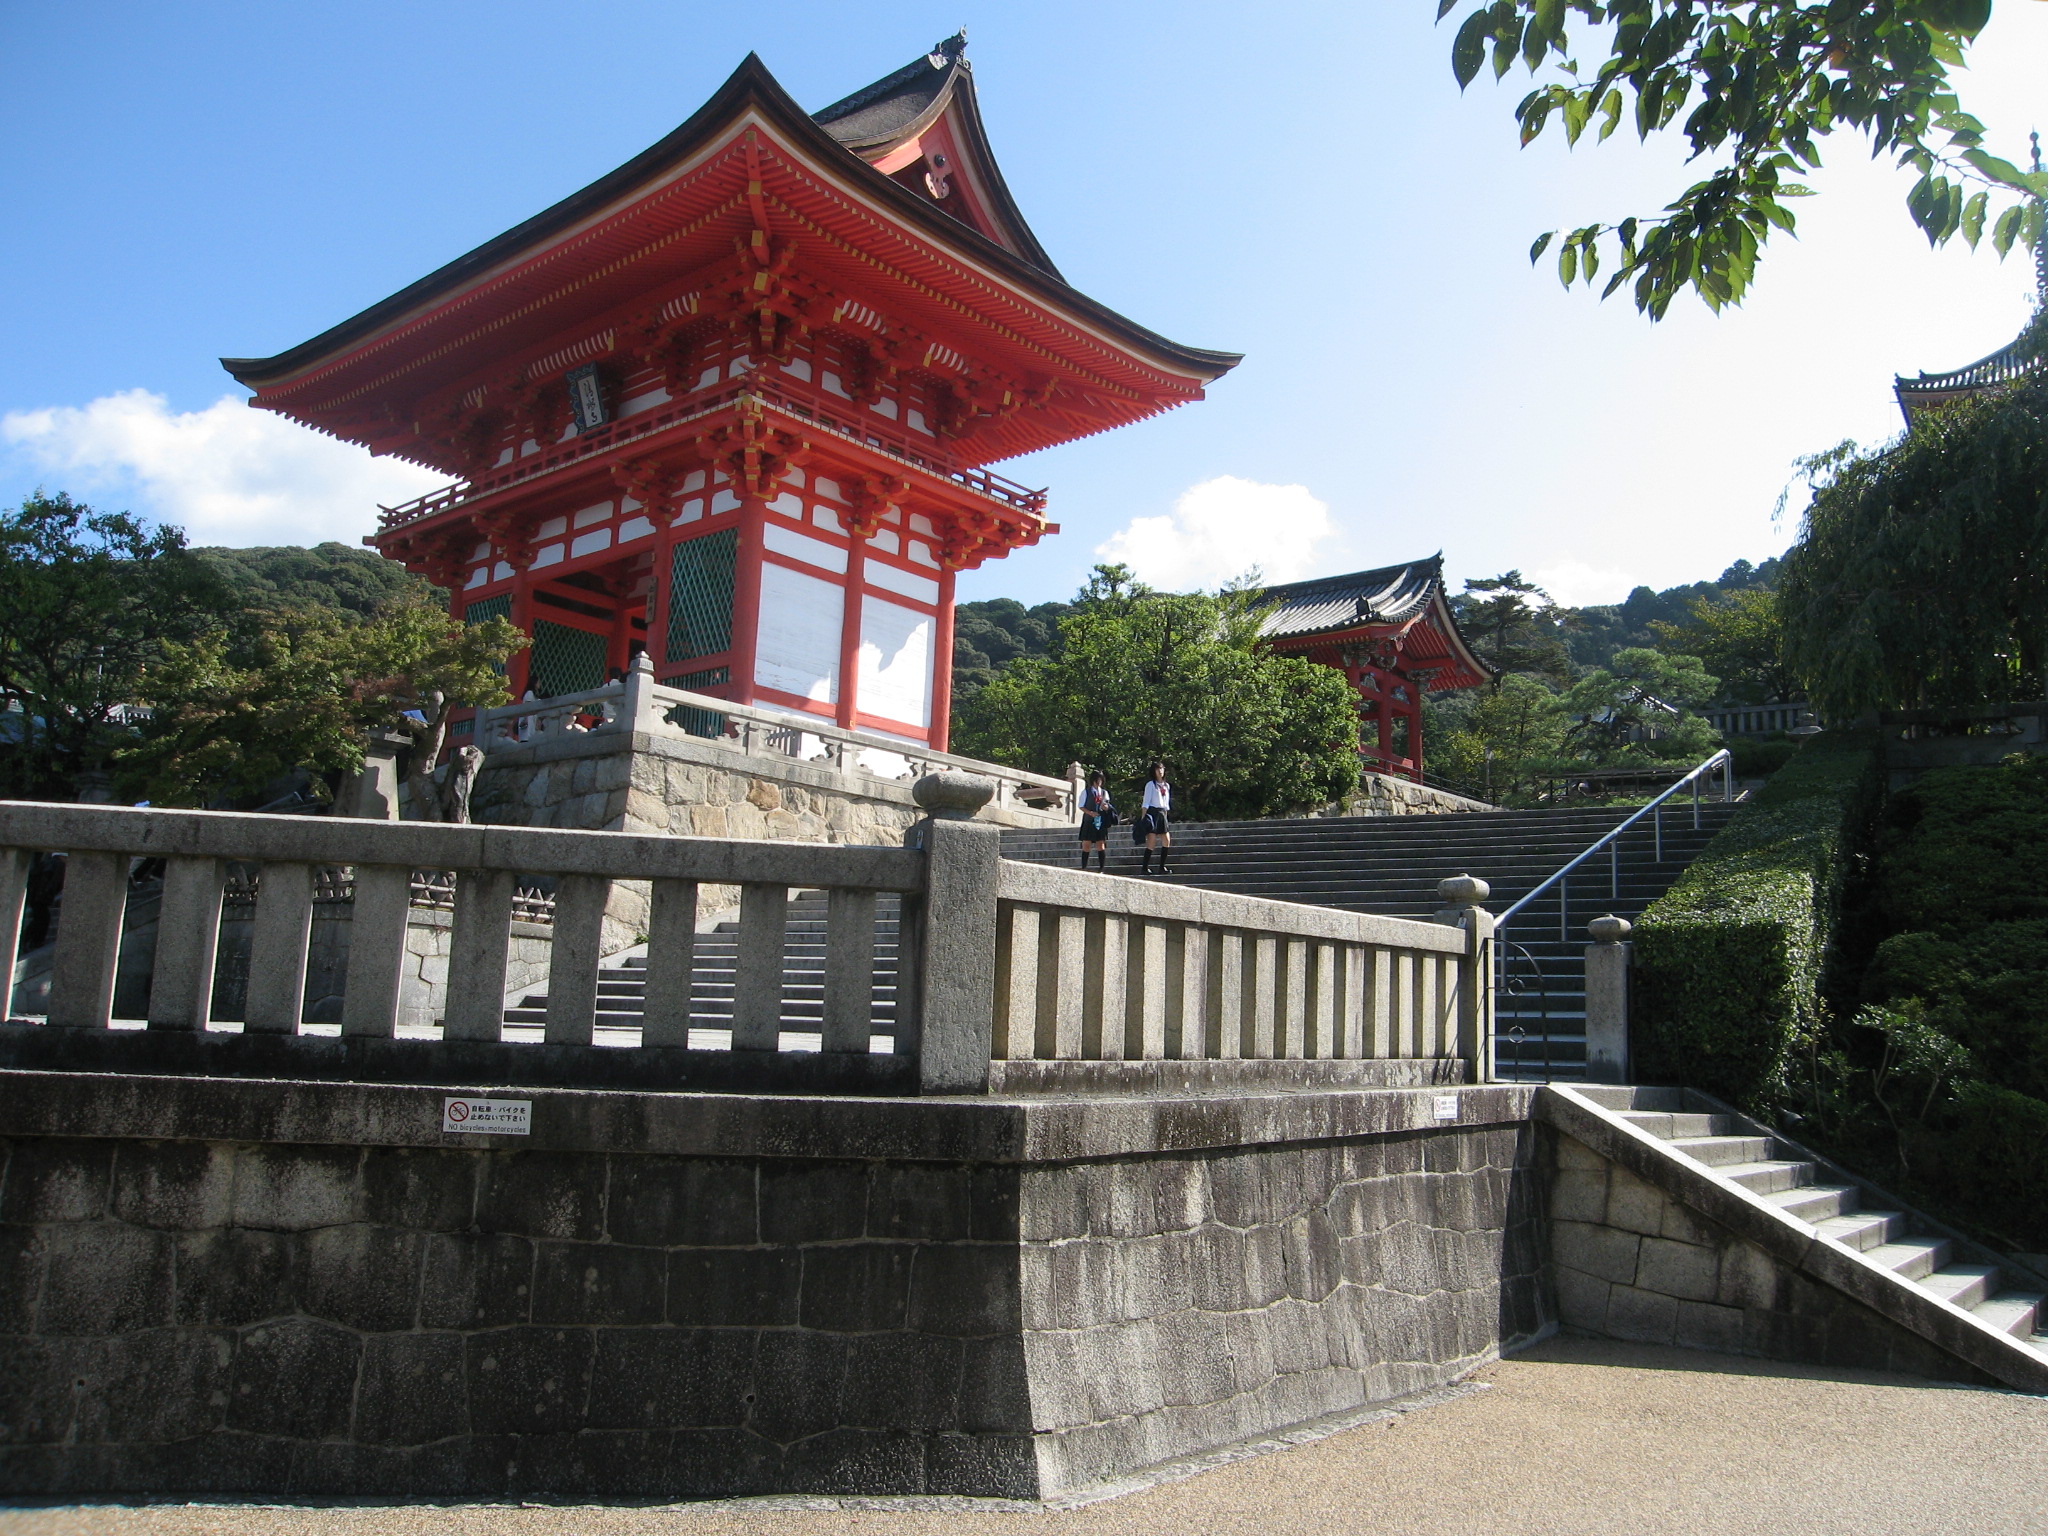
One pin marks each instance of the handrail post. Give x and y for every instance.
(1607, 963)
(636, 709)
(955, 959)
(1462, 895)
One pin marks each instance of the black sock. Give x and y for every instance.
(1084, 858)
(1101, 860)
(1148, 861)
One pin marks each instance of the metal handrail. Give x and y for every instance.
(1723, 759)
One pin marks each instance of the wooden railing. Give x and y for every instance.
(994, 961)
(553, 456)
(640, 704)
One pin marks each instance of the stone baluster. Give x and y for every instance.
(757, 971)
(15, 864)
(277, 949)
(849, 1008)
(1607, 965)
(378, 930)
(88, 940)
(187, 941)
(1462, 895)
(578, 951)
(671, 962)
(476, 954)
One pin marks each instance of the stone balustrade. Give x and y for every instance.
(639, 704)
(996, 962)
(1094, 968)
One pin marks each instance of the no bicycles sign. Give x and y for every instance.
(491, 1117)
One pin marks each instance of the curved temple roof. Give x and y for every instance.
(899, 107)
(863, 126)
(1399, 597)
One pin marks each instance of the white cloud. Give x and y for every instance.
(1578, 585)
(1220, 529)
(226, 475)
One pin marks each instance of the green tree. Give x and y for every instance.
(1636, 709)
(1741, 639)
(1502, 745)
(88, 602)
(241, 704)
(326, 576)
(1920, 578)
(989, 635)
(1752, 85)
(1138, 674)
(1513, 626)
(419, 666)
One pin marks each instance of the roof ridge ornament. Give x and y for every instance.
(948, 49)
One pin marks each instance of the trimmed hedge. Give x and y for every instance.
(1728, 962)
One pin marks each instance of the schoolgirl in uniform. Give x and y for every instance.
(1154, 819)
(1098, 815)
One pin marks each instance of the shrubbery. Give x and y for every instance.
(1941, 1072)
(1728, 963)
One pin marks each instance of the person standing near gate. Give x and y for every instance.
(1153, 822)
(1098, 815)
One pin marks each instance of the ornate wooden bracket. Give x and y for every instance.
(764, 302)
(657, 487)
(869, 500)
(508, 534)
(753, 453)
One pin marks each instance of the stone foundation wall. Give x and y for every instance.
(1172, 1305)
(1380, 794)
(182, 1314)
(1630, 1262)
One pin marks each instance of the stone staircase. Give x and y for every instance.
(1391, 865)
(1886, 1244)
(622, 984)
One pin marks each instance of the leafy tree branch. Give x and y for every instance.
(1752, 85)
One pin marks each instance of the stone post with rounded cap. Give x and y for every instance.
(1461, 896)
(1607, 962)
(947, 953)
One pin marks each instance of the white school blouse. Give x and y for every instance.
(1158, 796)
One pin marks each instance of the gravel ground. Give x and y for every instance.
(1576, 1437)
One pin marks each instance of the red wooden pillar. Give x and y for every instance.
(848, 711)
(746, 595)
(942, 666)
(619, 648)
(660, 597)
(519, 670)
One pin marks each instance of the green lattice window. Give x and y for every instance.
(700, 595)
(699, 722)
(482, 612)
(566, 660)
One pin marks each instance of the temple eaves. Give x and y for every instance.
(2018, 359)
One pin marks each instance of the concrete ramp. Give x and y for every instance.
(1675, 1219)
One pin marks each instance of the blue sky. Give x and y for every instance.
(1299, 182)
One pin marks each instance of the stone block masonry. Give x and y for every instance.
(308, 1289)
(1630, 1262)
